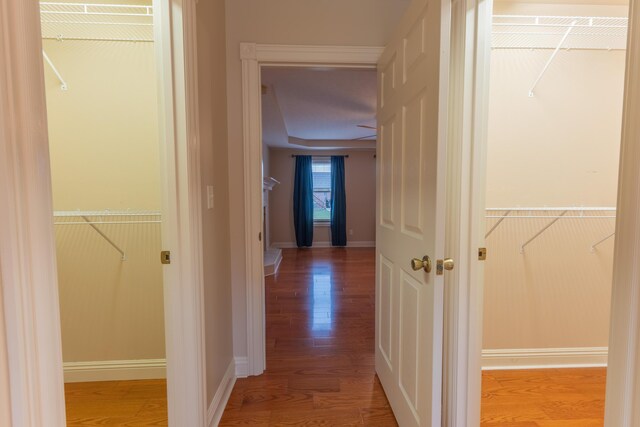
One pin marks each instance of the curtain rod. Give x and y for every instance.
(297, 155)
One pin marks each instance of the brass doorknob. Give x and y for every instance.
(424, 263)
(444, 264)
(448, 264)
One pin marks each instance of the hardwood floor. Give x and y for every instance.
(320, 346)
(116, 403)
(320, 365)
(543, 398)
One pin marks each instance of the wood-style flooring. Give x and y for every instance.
(543, 398)
(320, 346)
(116, 403)
(320, 365)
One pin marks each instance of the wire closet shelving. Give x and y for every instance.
(86, 21)
(96, 219)
(553, 215)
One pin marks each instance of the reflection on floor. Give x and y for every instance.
(117, 403)
(320, 339)
(543, 398)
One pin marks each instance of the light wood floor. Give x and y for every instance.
(544, 398)
(320, 365)
(116, 403)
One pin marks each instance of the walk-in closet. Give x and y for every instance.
(100, 76)
(556, 98)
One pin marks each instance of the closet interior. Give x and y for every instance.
(556, 97)
(100, 77)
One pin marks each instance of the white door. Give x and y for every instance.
(410, 216)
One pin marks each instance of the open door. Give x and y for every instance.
(412, 105)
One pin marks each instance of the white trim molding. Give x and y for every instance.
(115, 370)
(28, 277)
(465, 224)
(350, 244)
(623, 376)
(176, 50)
(537, 358)
(253, 56)
(242, 367)
(221, 397)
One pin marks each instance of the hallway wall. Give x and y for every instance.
(212, 90)
(298, 22)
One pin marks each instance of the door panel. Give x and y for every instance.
(410, 215)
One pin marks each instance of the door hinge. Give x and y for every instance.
(260, 236)
(165, 257)
(482, 254)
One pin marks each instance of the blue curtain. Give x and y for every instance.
(303, 201)
(339, 203)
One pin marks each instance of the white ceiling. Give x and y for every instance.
(318, 105)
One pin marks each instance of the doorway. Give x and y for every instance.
(101, 89)
(552, 179)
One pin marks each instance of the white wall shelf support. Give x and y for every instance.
(63, 83)
(111, 242)
(506, 214)
(546, 227)
(593, 247)
(551, 58)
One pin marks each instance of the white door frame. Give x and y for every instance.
(623, 379)
(27, 248)
(254, 56)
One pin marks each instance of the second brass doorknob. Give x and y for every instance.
(424, 263)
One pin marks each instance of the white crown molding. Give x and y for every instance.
(536, 358)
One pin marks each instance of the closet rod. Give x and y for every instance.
(593, 247)
(104, 213)
(540, 232)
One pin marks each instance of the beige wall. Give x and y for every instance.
(104, 155)
(360, 179)
(559, 148)
(327, 22)
(213, 137)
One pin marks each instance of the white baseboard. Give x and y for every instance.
(354, 244)
(115, 370)
(537, 358)
(221, 397)
(242, 367)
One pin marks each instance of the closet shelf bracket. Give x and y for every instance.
(551, 58)
(63, 83)
(105, 237)
(546, 227)
(506, 214)
(593, 247)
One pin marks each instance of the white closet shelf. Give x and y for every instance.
(550, 213)
(87, 21)
(547, 32)
(106, 217)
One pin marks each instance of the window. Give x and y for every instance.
(321, 169)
